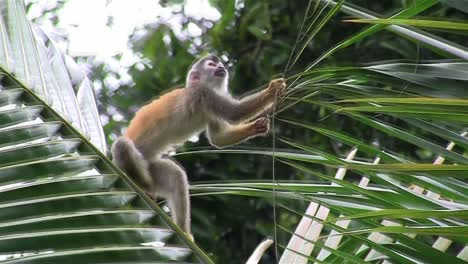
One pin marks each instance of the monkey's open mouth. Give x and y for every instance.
(221, 72)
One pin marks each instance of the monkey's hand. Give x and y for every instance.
(260, 126)
(276, 87)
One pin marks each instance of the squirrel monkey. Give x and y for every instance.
(205, 104)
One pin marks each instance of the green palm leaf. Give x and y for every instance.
(414, 22)
(62, 198)
(379, 204)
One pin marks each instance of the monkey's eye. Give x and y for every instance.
(212, 64)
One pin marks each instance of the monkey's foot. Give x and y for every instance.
(190, 236)
(151, 195)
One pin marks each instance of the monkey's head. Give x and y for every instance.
(208, 72)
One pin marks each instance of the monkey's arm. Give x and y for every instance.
(236, 111)
(221, 134)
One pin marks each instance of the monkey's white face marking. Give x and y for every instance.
(214, 75)
(210, 73)
(217, 68)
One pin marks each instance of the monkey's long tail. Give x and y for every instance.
(127, 157)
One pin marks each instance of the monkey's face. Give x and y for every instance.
(216, 69)
(208, 72)
(216, 74)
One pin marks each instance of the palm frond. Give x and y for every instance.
(62, 198)
(380, 204)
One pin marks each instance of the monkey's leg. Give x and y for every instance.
(171, 183)
(129, 159)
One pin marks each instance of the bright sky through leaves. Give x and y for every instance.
(102, 28)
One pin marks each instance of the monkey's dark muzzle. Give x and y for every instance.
(220, 72)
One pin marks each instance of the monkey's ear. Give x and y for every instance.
(194, 78)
